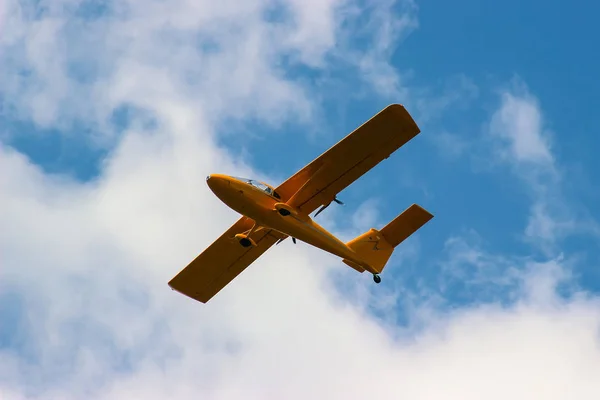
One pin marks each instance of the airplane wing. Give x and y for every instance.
(222, 261)
(313, 186)
(330, 173)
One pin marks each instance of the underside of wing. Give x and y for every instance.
(333, 171)
(222, 261)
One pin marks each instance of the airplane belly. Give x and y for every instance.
(261, 209)
(309, 232)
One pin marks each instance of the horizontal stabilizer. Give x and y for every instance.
(405, 224)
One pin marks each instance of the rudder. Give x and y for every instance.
(373, 249)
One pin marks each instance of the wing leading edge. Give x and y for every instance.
(364, 148)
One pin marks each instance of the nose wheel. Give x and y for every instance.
(376, 278)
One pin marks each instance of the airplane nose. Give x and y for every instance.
(217, 182)
(211, 181)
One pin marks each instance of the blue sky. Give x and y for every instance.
(487, 49)
(110, 121)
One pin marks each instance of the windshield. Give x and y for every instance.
(260, 185)
(257, 184)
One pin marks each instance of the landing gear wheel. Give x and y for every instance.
(245, 242)
(284, 212)
(376, 278)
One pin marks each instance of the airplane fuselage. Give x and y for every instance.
(260, 205)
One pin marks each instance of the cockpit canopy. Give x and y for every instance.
(262, 186)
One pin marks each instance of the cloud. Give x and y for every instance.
(100, 321)
(229, 59)
(384, 33)
(151, 51)
(518, 123)
(522, 141)
(85, 264)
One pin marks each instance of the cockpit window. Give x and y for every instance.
(259, 185)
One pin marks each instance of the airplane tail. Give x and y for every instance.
(375, 247)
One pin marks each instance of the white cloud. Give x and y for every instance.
(384, 33)
(97, 297)
(227, 58)
(89, 262)
(518, 122)
(546, 225)
(523, 142)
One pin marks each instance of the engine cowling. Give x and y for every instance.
(285, 209)
(245, 240)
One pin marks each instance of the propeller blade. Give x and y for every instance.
(321, 209)
(327, 205)
(282, 239)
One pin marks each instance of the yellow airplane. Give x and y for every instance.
(270, 215)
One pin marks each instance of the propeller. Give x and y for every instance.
(327, 205)
(282, 239)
